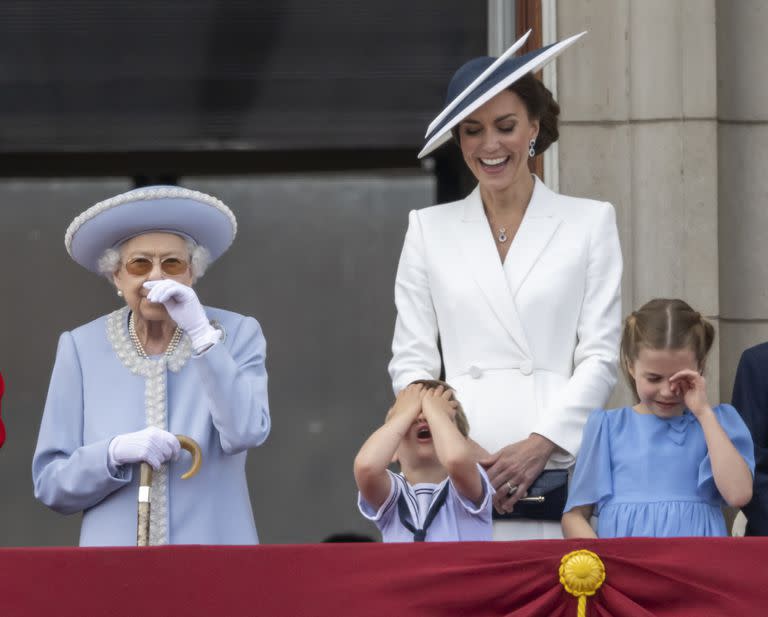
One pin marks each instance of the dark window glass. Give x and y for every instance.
(254, 75)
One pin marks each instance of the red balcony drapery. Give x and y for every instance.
(644, 577)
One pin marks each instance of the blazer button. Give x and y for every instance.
(475, 372)
(526, 368)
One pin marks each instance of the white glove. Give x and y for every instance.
(185, 309)
(150, 445)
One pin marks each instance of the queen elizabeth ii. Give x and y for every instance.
(126, 383)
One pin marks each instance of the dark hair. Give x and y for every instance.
(540, 105)
(664, 324)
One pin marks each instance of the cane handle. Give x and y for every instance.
(191, 446)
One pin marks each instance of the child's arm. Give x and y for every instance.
(575, 523)
(733, 478)
(377, 452)
(453, 450)
(731, 473)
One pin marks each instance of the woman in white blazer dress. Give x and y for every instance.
(520, 285)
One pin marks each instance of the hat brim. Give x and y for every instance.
(492, 81)
(188, 213)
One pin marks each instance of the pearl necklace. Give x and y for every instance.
(140, 348)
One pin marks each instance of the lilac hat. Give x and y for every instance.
(107, 224)
(480, 79)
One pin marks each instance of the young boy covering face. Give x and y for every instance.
(441, 494)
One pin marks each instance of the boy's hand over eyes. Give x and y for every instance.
(407, 403)
(439, 399)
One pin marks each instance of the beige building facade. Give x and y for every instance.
(663, 115)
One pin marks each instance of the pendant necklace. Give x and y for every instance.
(502, 237)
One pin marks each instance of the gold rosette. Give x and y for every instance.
(581, 574)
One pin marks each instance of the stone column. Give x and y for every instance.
(638, 98)
(742, 45)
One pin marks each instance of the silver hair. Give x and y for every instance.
(199, 260)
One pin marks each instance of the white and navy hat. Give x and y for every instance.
(480, 79)
(173, 209)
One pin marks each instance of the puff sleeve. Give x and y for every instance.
(592, 481)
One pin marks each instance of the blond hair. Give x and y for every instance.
(461, 418)
(664, 324)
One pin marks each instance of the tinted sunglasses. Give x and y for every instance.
(139, 266)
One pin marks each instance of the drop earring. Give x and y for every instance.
(119, 293)
(532, 148)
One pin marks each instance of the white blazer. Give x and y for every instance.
(530, 345)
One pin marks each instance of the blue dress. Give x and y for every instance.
(650, 476)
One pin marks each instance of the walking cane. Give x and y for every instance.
(145, 481)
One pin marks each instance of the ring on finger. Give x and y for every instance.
(511, 489)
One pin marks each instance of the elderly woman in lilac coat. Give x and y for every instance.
(126, 383)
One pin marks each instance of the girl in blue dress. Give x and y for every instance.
(664, 467)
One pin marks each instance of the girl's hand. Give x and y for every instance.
(407, 403)
(516, 466)
(439, 400)
(693, 388)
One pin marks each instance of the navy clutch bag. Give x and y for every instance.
(545, 500)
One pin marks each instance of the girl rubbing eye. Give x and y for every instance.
(666, 465)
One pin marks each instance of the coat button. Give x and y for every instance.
(475, 372)
(526, 368)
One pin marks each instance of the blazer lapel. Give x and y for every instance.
(538, 226)
(482, 259)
